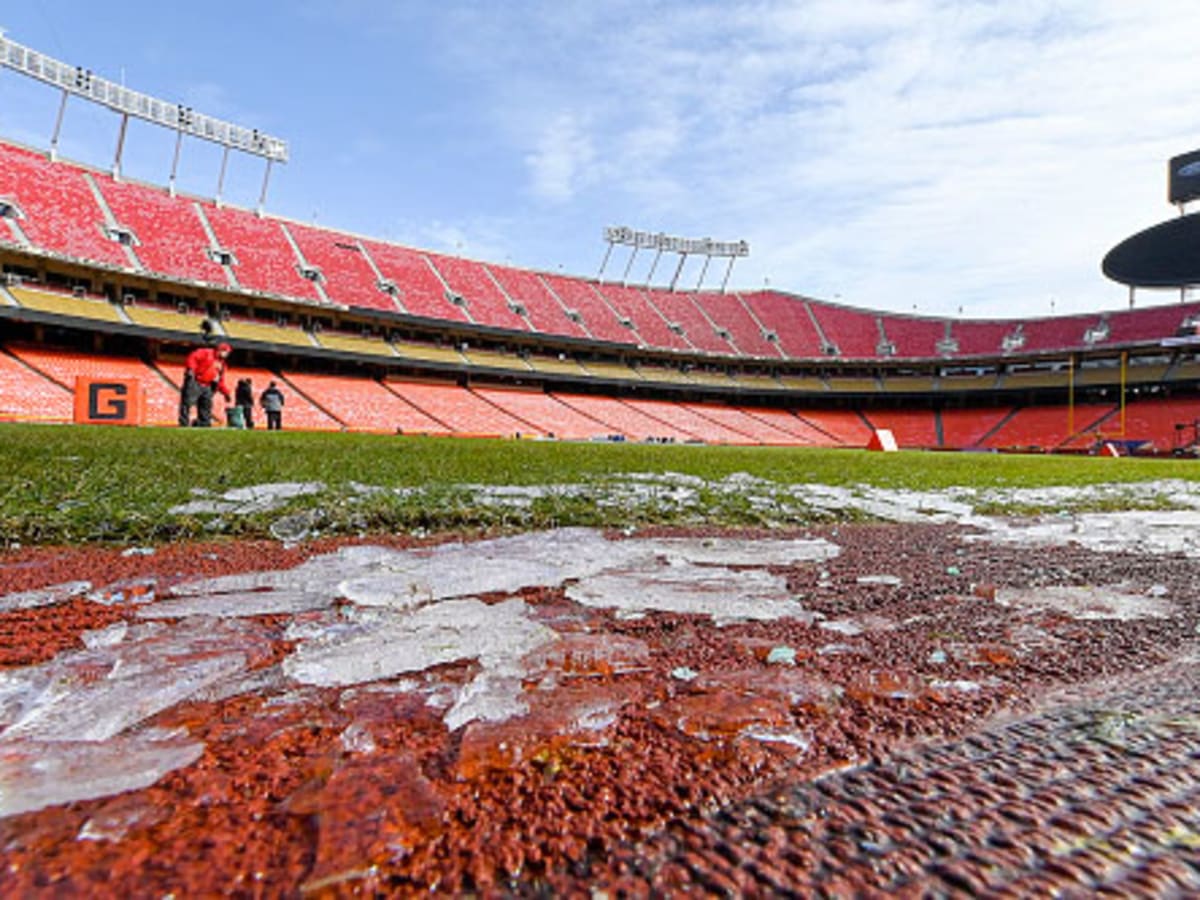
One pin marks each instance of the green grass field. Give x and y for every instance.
(81, 484)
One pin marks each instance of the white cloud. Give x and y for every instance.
(561, 161)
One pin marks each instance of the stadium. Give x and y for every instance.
(734, 680)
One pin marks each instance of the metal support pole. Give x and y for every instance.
(175, 162)
(221, 176)
(604, 264)
(628, 266)
(678, 270)
(703, 271)
(62, 109)
(1070, 396)
(728, 272)
(1124, 358)
(262, 198)
(116, 168)
(653, 266)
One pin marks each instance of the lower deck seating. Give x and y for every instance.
(965, 429)
(845, 426)
(364, 404)
(801, 432)
(299, 412)
(626, 419)
(1167, 423)
(460, 410)
(64, 366)
(687, 418)
(915, 429)
(1051, 427)
(752, 429)
(549, 414)
(28, 396)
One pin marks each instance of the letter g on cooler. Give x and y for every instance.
(107, 401)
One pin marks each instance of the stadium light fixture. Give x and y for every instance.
(76, 81)
(667, 243)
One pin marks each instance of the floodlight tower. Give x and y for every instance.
(668, 243)
(76, 81)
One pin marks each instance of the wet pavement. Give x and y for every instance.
(918, 710)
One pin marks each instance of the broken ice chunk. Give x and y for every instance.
(385, 645)
(722, 593)
(47, 596)
(37, 774)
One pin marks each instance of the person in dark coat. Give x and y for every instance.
(243, 396)
(272, 403)
(204, 375)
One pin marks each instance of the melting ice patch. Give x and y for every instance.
(248, 500)
(1112, 602)
(683, 587)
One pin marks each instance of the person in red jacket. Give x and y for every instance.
(204, 374)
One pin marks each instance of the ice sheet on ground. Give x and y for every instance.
(47, 596)
(1142, 531)
(248, 500)
(37, 774)
(503, 564)
(745, 551)
(392, 643)
(1090, 602)
(244, 603)
(97, 693)
(724, 594)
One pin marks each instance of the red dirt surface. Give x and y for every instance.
(306, 791)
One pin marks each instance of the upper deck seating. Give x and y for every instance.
(915, 428)
(627, 419)
(464, 412)
(265, 261)
(681, 309)
(418, 289)
(729, 312)
(855, 332)
(64, 366)
(1060, 333)
(914, 337)
(963, 429)
(549, 414)
(787, 318)
(979, 337)
(631, 305)
(486, 303)
(60, 213)
(544, 312)
(348, 276)
(597, 317)
(29, 396)
(363, 404)
(170, 237)
(1153, 323)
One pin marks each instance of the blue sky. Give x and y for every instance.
(925, 155)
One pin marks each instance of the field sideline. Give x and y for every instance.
(70, 484)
